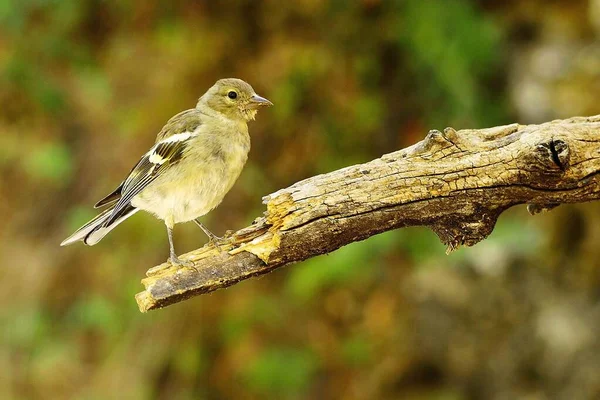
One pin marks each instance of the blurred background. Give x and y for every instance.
(86, 85)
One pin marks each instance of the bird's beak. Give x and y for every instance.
(257, 101)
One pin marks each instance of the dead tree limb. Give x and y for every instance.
(455, 182)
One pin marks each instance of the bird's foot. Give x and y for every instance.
(179, 263)
(213, 239)
(217, 242)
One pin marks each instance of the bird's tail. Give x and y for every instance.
(92, 232)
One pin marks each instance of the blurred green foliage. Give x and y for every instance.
(85, 87)
(281, 372)
(50, 163)
(453, 54)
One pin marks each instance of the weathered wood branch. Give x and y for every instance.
(455, 182)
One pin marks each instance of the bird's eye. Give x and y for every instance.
(232, 95)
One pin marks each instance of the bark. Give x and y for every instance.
(455, 182)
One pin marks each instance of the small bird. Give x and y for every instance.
(197, 157)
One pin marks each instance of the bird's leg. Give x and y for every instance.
(173, 259)
(212, 238)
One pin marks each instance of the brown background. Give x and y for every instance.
(86, 85)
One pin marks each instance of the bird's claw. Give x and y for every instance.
(213, 240)
(216, 242)
(179, 263)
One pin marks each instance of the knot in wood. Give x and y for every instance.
(435, 137)
(434, 141)
(465, 230)
(553, 154)
(450, 134)
(561, 152)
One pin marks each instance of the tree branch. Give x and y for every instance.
(455, 182)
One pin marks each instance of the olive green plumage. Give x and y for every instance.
(197, 157)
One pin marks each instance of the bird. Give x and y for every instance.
(196, 158)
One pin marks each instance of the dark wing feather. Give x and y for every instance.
(111, 198)
(145, 171)
(164, 155)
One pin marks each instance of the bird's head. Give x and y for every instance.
(234, 98)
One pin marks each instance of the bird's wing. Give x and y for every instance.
(185, 121)
(112, 198)
(164, 154)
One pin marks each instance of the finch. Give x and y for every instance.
(197, 157)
